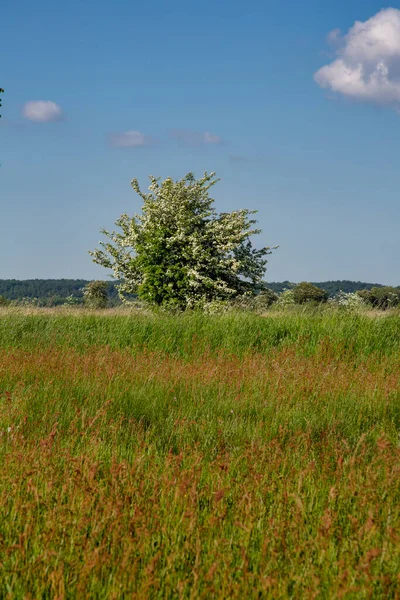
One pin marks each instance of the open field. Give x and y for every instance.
(190, 456)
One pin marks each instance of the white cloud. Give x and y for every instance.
(333, 37)
(129, 139)
(211, 138)
(367, 67)
(42, 111)
(194, 138)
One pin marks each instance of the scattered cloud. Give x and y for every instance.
(211, 138)
(128, 139)
(333, 37)
(367, 63)
(42, 111)
(195, 138)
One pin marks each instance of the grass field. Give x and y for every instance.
(154, 456)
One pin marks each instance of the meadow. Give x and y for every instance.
(194, 456)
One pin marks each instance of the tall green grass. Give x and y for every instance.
(189, 334)
(156, 456)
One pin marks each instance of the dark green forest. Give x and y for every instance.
(50, 291)
(55, 291)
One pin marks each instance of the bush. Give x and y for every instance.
(265, 299)
(381, 297)
(217, 307)
(4, 301)
(72, 300)
(348, 301)
(286, 298)
(256, 303)
(307, 292)
(95, 294)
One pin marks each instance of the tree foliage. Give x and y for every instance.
(180, 253)
(257, 303)
(51, 292)
(381, 297)
(331, 287)
(95, 294)
(307, 292)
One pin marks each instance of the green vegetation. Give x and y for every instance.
(189, 334)
(50, 292)
(195, 456)
(381, 297)
(95, 294)
(332, 287)
(54, 292)
(180, 253)
(305, 292)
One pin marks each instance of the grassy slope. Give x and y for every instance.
(199, 457)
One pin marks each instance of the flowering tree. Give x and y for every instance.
(95, 294)
(179, 252)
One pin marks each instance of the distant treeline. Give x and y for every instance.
(56, 291)
(332, 287)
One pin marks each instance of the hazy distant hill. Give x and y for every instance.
(56, 290)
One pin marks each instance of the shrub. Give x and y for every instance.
(348, 300)
(72, 300)
(307, 292)
(265, 299)
(255, 303)
(381, 297)
(286, 298)
(95, 294)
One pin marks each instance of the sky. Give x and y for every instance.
(294, 105)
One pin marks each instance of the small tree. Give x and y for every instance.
(95, 294)
(381, 297)
(179, 253)
(285, 298)
(350, 301)
(307, 292)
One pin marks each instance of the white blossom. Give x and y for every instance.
(179, 251)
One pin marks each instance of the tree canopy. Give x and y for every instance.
(180, 253)
(381, 297)
(305, 292)
(95, 294)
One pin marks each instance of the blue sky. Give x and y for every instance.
(298, 122)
